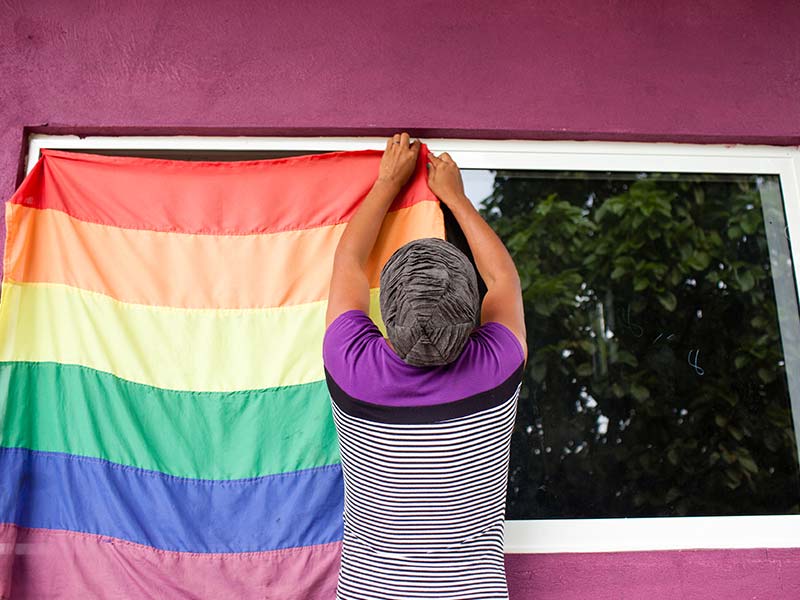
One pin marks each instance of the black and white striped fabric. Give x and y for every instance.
(425, 506)
(425, 467)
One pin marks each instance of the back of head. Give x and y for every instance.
(429, 301)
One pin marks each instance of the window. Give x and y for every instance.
(663, 329)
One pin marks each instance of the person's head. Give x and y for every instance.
(429, 301)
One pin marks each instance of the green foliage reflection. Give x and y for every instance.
(656, 382)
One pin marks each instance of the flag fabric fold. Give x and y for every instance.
(165, 428)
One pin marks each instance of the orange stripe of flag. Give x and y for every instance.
(194, 271)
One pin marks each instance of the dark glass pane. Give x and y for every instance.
(663, 343)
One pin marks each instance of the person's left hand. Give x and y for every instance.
(399, 160)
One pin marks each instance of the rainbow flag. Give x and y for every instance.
(165, 428)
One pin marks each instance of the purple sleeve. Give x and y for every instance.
(351, 337)
(498, 345)
(357, 358)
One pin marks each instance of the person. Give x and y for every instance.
(424, 418)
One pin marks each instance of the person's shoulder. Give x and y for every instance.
(499, 342)
(347, 329)
(350, 339)
(491, 364)
(493, 353)
(350, 323)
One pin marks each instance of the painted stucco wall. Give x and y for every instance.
(644, 70)
(772, 574)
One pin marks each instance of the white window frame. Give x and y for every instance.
(560, 535)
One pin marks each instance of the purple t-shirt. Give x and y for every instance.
(361, 366)
(425, 454)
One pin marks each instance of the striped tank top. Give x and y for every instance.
(425, 453)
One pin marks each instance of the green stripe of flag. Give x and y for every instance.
(206, 435)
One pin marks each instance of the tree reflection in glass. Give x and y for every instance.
(662, 314)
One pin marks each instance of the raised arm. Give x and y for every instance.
(503, 300)
(349, 287)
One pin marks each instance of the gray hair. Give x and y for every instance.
(429, 301)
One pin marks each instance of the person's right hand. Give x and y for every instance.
(444, 178)
(399, 160)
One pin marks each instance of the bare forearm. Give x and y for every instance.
(349, 287)
(361, 232)
(503, 300)
(491, 257)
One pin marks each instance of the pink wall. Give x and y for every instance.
(647, 70)
(674, 575)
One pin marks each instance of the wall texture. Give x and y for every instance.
(673, 575)
(698, 71)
